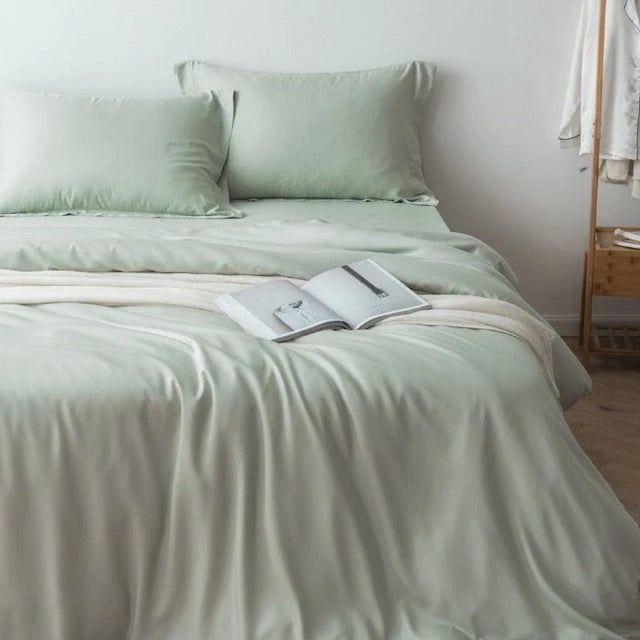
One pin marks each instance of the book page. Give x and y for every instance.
(278, 310)
(363, 292)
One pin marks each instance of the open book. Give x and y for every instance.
(353, 296)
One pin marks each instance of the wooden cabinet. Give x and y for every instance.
(616, 272)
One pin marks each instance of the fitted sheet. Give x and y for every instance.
(163, 474)
(386, 216)
(383, 215)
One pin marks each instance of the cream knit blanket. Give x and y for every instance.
(199, 291)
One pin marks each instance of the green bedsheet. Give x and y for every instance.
(165, 475)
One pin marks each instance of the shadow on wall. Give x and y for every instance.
(459, 174)
(454, 170)
(484, 181)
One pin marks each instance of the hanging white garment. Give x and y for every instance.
(622, 172)
(621, 90)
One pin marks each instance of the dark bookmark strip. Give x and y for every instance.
(352, 272)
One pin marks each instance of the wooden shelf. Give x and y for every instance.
(615, 340)
(616, 272)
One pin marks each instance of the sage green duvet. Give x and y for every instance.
(164, 475)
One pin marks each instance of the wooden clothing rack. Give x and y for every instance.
(609, 270)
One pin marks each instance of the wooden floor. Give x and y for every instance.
(607, 425)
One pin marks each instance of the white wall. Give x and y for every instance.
(492, 155)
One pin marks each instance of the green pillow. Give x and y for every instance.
(323, 135)
(71, 154)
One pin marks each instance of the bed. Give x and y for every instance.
(164, 474)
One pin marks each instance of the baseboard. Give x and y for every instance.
(569, 325)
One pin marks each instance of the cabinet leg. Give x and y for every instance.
(586, 332)
(587, 328)
(582, 300)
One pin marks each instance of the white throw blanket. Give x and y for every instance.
(199, 291)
